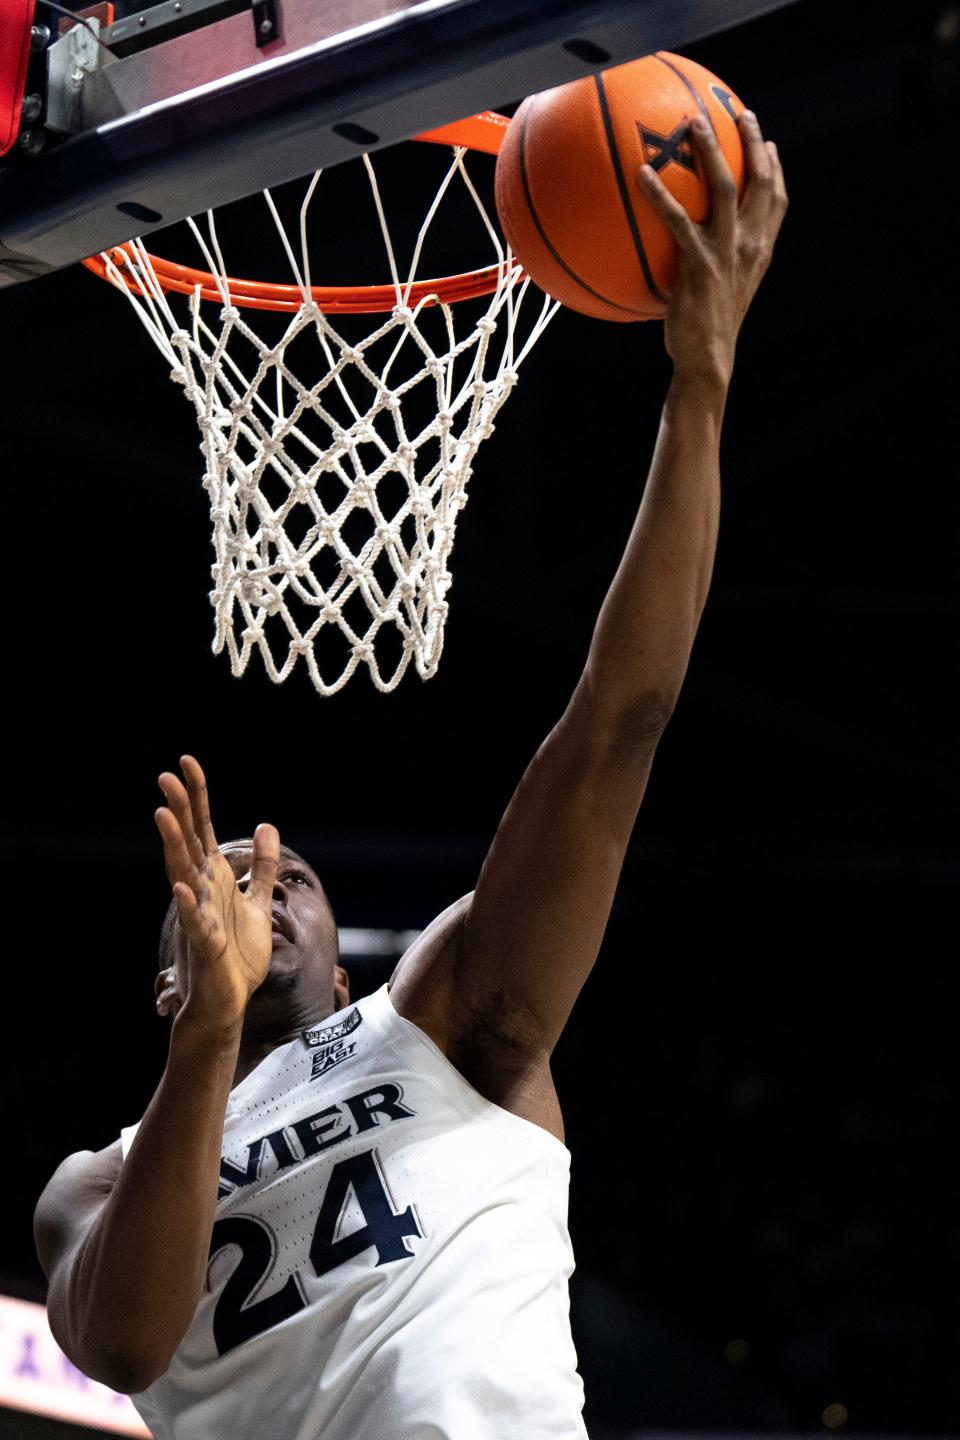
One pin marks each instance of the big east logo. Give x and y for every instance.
(330, 1043)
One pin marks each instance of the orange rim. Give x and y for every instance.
(483, 132)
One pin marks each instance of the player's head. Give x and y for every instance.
(304, 973)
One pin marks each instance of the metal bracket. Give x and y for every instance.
(266, 22)
(69, 60)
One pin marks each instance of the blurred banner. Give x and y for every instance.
(35, 1375)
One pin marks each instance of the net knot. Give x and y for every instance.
(486, 326)
(261, 597)
(361, 492)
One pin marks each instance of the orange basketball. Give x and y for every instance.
(567, 190)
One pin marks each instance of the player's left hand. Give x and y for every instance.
(722, 261)
(227, 927)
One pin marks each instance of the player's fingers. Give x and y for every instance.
(179, 802)
(264, 865)
(723, 187)
(758, 196)
(780, 197)
(199, 802)
(195, 925)
(186, 899)
(179, 863)
(685, 231)
(200, 925)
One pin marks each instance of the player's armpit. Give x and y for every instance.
(538, 915)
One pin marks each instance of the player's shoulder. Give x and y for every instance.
(76, 1190)
(433, 941)
(421, 986)
(427, 987)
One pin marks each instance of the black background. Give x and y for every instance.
(759, 1081)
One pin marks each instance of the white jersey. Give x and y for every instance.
(389, 1259)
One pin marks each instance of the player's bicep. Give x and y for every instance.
(537, 918)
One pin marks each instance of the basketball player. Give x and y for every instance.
(348, 1222)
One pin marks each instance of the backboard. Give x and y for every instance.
(168, 110)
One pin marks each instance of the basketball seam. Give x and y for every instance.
(524, 179)
(704, 108)
(624, 193)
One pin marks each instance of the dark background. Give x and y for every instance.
(759, 1081)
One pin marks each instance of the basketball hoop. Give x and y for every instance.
(334, 504)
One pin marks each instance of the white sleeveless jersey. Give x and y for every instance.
(389, 1259)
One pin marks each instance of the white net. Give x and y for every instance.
(335, 498)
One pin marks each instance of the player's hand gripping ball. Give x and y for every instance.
(567, 191)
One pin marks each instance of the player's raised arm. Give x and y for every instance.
(533, 929)
(125, 1246)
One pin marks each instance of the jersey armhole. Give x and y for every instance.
(387, 1016)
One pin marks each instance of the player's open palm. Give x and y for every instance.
(228, 930)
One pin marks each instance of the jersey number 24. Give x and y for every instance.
(237, 1317)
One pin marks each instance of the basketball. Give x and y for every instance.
(566, 181)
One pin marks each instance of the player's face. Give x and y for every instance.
(304, 978)
(304, 930)
(303, 965)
